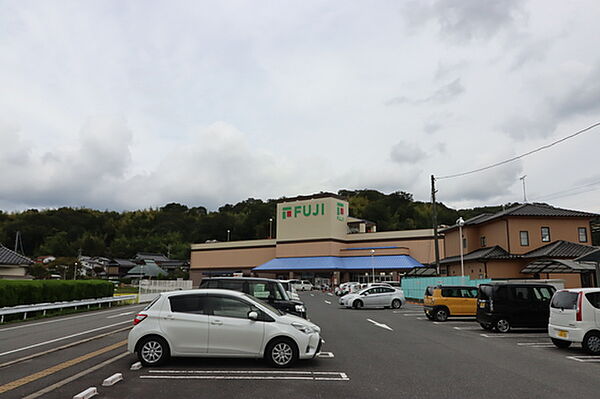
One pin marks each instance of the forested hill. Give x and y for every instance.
(170, 229)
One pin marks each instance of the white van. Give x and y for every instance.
(575, 317)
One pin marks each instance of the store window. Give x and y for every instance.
(545, 234)
(582, 234)
(524, 235)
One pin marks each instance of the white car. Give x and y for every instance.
(374, 297)
(220, 323)
(302, 285)
(290, 288)
(575, 317)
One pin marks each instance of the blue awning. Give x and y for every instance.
(334, 263)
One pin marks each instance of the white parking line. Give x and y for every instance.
(328, 302)
(421, 318)
(585, 359)
(63, 338)
(248, 375)
(119, 315)
(514, 335)
(380, 325)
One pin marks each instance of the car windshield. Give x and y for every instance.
(265, 304)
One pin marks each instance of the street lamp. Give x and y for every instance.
(75, 271)
(460, 222)
(270, 228)
(228, 234)
(372, 264)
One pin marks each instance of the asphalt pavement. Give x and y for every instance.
(380, 353)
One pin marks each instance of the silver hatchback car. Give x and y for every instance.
(375, 297)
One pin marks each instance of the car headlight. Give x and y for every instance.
(300, 308)
(304, 328)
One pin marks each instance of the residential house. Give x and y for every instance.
(13, 265)
(503, 244)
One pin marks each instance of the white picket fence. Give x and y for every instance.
(150, 289)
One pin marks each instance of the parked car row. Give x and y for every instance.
(226, 317)
(570, 315)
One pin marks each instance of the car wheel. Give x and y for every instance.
(591, 343)
(559, 343)
(358, 304)
(487, 326)
(281, 353)
(153, 351)
(502, 326)
(396, 304)
(441, 314)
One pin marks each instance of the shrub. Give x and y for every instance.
(25, 292)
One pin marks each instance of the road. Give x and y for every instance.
(369, 354)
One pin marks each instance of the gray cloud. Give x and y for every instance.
(430, 127)
(406, 153)
(441, 95)
(567, 95)
(483, 187)
(465, 20)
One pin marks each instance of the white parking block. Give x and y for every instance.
(325, 355)
(327, 302)
(112, 380)
(536, 344)
(136, 366)
(470, 328)
(88, 393)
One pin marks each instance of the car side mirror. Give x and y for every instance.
(253, 315)
(364, 294)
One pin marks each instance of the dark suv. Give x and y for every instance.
(265, 289)
(502, 306)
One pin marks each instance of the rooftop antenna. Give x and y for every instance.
(19, 243)
(522, 178)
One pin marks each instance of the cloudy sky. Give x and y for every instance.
(133, 104)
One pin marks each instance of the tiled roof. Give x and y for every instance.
(535, 210)
(560, 249)
(9, 257)
(593, 256)
(495, 252)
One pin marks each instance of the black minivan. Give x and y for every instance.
(266, 289)
(504, 305)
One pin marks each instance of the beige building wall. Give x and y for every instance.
(495, 234)
(506, 233)
(304, 249)
(560, 229)
(13, 271)
(572, 280)
(320, 218)
(231, 258)
(494, 269)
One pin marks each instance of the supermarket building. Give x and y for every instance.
(317, 240)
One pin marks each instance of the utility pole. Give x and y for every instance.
(435, 225)
(522, 178)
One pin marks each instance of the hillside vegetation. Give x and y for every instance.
(171, 228)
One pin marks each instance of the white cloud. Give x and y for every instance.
(119, 106)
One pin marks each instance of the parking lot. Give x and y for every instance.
(367, 353)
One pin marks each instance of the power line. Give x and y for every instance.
(577, 133)
(570, 191)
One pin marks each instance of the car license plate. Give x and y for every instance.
(562, 334)
(482, 304)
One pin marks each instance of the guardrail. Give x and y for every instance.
(43, 307)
